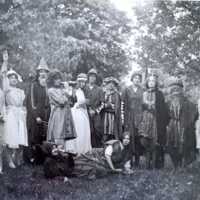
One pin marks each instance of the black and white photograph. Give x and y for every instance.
(99, 100)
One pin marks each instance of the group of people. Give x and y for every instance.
(102, 127)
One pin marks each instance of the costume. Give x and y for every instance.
(181, 130)
(95, 96)
(82, 143)
(94, 163)
(154, 123)
(111, 114)
(15, 120)
(61, 124)
(2, 118)
(132, 116)
(37, 103)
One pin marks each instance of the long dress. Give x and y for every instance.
(15, 119)
(111, 115)
(181, 130)
(82, 144)
(95, 96)
(197, 130)
(2, 113)
(153, 125)
(148, 126)
(61, 124)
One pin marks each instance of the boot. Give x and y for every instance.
(10, 159)
(19, 155)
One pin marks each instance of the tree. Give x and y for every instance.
(169, 37)
(72, 35)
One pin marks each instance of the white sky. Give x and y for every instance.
(127, 5)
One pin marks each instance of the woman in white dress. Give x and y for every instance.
(198, 132)
(2, 114)
(15, 134)
(82, 144)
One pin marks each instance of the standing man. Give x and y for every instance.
(181, 128)
(132, 111)
(94, 94)
(38, 106)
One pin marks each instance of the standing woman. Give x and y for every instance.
(82, 144)
(111, 110)
(61, 125)
(94, 94)
(131, 111)
(2, 115)
(153, 127)
(15, 120)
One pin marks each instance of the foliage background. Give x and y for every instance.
(72, 35)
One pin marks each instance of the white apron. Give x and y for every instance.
(82, 144)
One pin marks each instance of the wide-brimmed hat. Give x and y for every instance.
(111, 79)
(43, 65)
(136, 73)
(176, 82)
(13, 72)
(92, 71)
(82, 77)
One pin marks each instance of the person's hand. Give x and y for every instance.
(5, 56)
(117, 170)
(38, 120)
(91, 112)
(128, 171)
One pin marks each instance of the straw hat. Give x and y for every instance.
(111, 79)
(82, 77)
(92, 71)
(13, 72)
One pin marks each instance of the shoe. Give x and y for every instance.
(12, 165)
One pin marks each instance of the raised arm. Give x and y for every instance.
(4, 67)
(4, 70)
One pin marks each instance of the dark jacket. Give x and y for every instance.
(162, 117)
(132, 107)
(37, 103)
(95, 97)
(181, 129)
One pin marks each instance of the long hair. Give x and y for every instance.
(147, 81)
(52, 76)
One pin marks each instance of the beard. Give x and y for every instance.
(42, 81)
